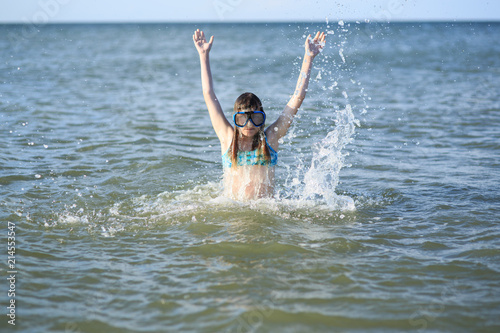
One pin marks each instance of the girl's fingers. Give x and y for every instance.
(199, 34)
(320, 37)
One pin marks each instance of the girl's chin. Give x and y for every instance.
(249, 133)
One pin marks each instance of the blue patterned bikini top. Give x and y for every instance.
(253, 157)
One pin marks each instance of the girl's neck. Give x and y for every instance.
(245, 143)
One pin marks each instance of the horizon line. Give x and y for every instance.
(365, 21)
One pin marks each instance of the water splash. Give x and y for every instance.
(315, 179)
(312, 180)
(322, 177)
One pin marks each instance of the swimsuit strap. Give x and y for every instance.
(251, 157)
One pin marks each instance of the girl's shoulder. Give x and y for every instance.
(226, 142)
(272, 138)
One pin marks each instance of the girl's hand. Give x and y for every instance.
(315, 45)
(201, 43)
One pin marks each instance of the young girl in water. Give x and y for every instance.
(249, 152)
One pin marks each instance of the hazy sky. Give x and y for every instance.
(45, 11)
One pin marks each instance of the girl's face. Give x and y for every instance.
(250, 130)
(249, 122)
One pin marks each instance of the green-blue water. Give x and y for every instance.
(110, 171)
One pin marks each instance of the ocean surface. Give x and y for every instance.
(387, 206)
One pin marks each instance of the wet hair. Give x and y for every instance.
(249, 102)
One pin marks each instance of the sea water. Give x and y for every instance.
(385, 213)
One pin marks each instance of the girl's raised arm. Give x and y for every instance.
(221, 125)
(279, 128)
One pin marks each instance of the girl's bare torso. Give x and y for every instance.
(249, 182)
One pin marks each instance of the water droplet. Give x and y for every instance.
(341, 53)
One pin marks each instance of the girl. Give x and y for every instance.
(249, 152)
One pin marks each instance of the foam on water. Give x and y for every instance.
(202, 203)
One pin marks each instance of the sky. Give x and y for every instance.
(55, 11)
